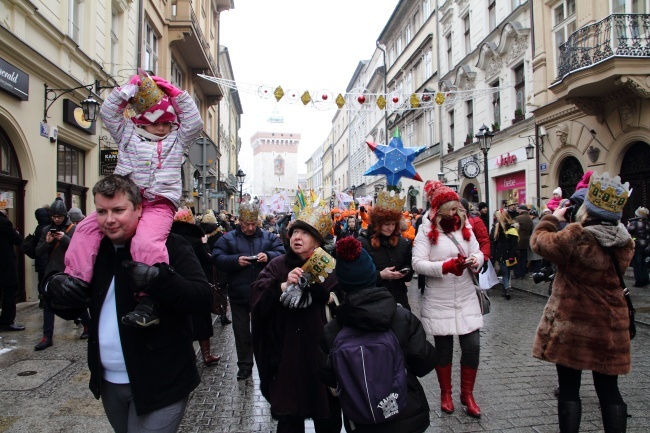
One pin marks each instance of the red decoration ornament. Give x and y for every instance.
(361, 99)
(395, 99)
(324, 97)
(426, 97)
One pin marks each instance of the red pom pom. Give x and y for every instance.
(348, 249)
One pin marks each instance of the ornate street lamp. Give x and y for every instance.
(484, 137)
(240, 177)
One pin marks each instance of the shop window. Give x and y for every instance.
(71, 175)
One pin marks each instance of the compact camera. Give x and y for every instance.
(546, 274)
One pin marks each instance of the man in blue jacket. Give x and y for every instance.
(242, 253)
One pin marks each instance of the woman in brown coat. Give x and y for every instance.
(585, 325)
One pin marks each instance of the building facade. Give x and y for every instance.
(53, 56)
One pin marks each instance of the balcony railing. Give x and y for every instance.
(618, 35)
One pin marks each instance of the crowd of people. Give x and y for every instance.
(140, 274)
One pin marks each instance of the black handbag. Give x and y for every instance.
(628, 299)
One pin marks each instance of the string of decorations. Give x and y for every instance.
(358, 98)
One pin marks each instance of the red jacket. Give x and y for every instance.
(481, 233)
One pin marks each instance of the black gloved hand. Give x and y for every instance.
(140, 275)
(61, 291)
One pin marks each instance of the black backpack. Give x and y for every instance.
(28, 246)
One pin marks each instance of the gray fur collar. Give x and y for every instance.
(610, 236)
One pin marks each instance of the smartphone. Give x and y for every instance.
(252, 258)
(53, 231)
(405, 270)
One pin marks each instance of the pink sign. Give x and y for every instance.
(511, 181)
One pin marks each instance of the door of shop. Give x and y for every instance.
(634, 169)
(570, 174)
(12, 195)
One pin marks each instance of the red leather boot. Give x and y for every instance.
(444, 379)
(208, 358)
(467, 379)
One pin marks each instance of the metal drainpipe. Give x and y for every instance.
(439, 108)
(141, 9)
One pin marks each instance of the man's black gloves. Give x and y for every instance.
(140, 275)
(66, 296)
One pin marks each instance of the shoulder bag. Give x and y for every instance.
(626, 293)
(483, 299)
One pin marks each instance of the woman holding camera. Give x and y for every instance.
(53, 244)
(585, 324)
(444, 249)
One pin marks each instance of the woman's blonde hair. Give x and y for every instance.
(503, 219)
(460, 211)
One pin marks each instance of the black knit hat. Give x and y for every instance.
(354, 267)
(58, 208)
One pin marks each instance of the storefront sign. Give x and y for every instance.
(506, 159)
(74, 115)
(511, 181)
(107, 161)
(14, 81)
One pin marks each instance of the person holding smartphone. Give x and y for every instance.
(389, 250)
(54, 243)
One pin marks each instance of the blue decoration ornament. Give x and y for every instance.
(394, 161)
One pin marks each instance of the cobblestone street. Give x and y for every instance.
(514, 390)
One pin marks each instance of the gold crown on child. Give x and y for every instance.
(317, 218)
(608, 193)
(390, 200)
(248, 212)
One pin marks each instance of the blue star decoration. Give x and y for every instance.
(394, 161)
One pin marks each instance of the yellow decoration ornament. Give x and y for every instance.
(440, 98)
(414, 100)
(340, 101)
(390, 200)
(305, 98)
(381, 102)
(278, 93)
(319, 266)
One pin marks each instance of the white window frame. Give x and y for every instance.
(150, 48)
(428, 64)
(115, 41)
(426, 8)
(75, 12)
(492, 14)
(467, 34)
(562, 26)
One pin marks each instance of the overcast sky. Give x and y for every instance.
(299, 44)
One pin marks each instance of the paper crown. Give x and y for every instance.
(607, 195)
(184, 215)
(390, 200)
(318, 218)
(148, 95)
(248, 212)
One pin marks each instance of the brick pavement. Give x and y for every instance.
(514, 390)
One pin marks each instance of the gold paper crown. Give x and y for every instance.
(318, 218)
(608, 193)
(149, 94)
(390, 200)
(248, 212)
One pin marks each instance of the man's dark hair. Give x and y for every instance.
(115, 183)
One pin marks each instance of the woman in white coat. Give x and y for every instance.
(449, 304)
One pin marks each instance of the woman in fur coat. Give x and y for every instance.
(449, 304)
(585, 324)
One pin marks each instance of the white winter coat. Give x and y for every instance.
(449, 305)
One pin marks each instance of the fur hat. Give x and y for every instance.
(58, 207)
(75, 214)
(388, 208)
(354, 267)
(184, 215)
(558, 191)
(641, 212)
(209, 217)
(606, 197)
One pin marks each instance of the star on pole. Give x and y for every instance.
(394, 161)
